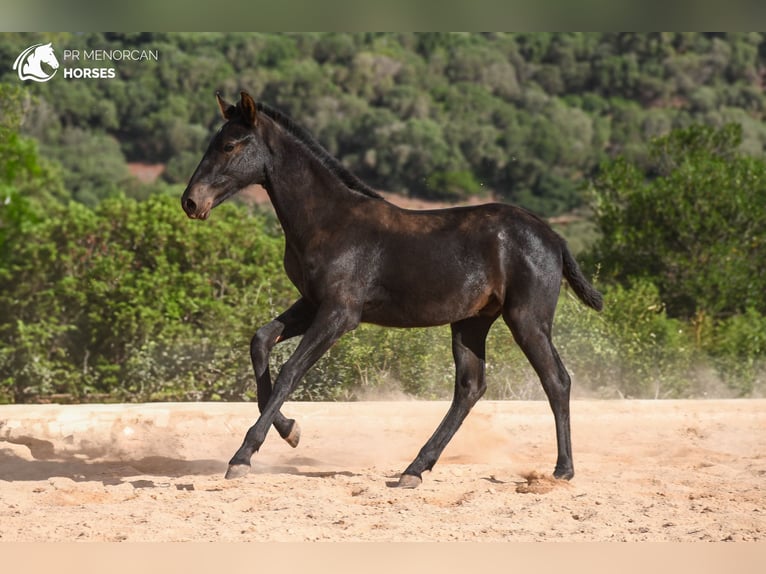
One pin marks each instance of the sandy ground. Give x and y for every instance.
(646, 471)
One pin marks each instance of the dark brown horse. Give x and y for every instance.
(356, 258)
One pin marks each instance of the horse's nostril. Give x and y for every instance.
(189, 206)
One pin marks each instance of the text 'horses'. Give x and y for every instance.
(356, 258)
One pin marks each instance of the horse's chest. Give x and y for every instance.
(296, 271)
(305, 272)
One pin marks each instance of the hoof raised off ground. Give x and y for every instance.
(237, 471)
(295, 435)
(409, 481)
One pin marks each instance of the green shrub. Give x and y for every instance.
(632, 349)
(737, 348)
(374, 361)
(133, 301)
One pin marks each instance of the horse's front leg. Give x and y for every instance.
(289, 324)
(329, 324)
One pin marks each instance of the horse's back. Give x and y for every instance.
(440, 266)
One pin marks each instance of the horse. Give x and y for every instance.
(29, 63)
(355, 257)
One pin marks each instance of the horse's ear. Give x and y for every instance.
(248, 108)
(227, 110)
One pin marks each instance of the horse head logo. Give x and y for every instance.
(29, 63)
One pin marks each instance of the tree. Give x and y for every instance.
(22, 170)
(95, 165)
(693, 220)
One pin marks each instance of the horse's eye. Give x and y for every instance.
(228, 147)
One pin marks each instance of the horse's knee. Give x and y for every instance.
(257, 348)
(261, 344)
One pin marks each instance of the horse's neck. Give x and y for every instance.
(306, 195)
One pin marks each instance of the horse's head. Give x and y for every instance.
(235, 158)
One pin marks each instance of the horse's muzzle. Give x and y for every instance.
(194, 206)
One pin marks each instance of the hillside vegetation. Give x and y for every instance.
(521, 117)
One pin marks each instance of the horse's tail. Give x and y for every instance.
(584, 290)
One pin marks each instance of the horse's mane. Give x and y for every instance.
(320, 153)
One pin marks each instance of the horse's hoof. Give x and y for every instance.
(237, 471)
(563, 474)
(295, 435)
(409, 481)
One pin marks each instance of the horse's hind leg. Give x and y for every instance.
(291, 323)
(531, 328)
(468, 343)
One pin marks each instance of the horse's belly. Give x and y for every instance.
(419, 308)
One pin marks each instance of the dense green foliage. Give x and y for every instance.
(132, 301)
(108, 292)
(691, 223)
(693, 219)
(522, 117)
